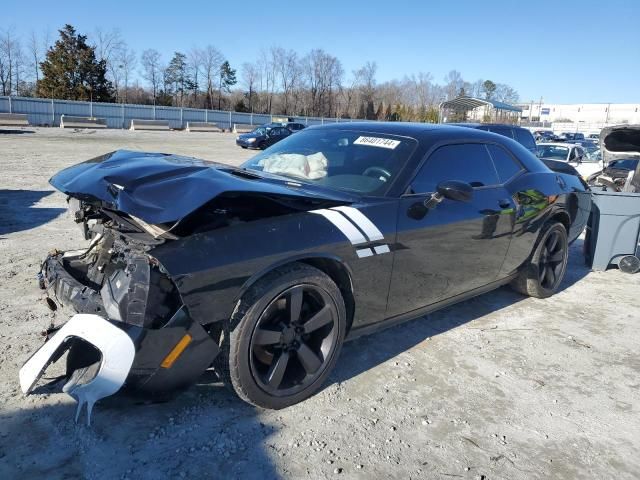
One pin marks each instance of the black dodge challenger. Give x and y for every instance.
(261, 272)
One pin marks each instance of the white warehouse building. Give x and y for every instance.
(590, 113)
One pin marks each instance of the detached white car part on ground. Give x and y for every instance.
(116, 349)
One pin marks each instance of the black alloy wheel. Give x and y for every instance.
(293, 340)
(284, 338)
(552, 262)
(542, 275)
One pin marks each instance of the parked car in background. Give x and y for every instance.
(560, 151)
(586, 143)
(521, 135)
(294, 126)
(568, 136)
(263, 137)
(584, 163)
(594, 136)
(544, 136)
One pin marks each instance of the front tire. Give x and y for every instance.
(284, 338)
(542, 275)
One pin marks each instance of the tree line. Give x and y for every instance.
(103, 68)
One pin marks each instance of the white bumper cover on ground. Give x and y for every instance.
(115, 346)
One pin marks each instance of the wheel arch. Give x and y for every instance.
(334, 267)
(563, 217)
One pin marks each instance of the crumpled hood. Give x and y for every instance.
(163, 188)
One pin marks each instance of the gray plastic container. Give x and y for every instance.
(613, 231)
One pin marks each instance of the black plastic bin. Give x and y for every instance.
(613, 231)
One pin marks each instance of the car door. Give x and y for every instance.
(277, 134)
(455, 246)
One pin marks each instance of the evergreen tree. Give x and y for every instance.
(380, 112)
(388, 115)
(71, 71)
(227, 80)
(178, 77)
(489, 89)
(371, 115)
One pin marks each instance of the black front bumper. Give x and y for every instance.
(152, 345)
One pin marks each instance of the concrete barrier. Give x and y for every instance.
(68, 121)
(14, 119)
(242, 127)
(149, 124)
(203, 127)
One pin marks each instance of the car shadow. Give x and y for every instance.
(5, 131)
(204, 432)
(365, 353)
(17, 210)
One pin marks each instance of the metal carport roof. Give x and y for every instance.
(469, 103)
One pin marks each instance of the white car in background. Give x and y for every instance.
(585, 163)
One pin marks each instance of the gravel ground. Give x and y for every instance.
(500, 386)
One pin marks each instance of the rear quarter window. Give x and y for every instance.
(506, 166)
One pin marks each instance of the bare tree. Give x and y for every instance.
(249, 73)
(35, 55)
(323, 74)
(211, 60)
(453, 83)
(126, 59)
(285, 64)
(8, 46)
(505, 93)
(195, 60)
(108, 46)
(152, 70)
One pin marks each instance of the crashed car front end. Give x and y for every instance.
(156, 225)
(130, 326)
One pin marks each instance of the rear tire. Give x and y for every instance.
(284, 338)
(542, 275)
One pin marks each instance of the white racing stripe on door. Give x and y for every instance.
(345, 226)
(364, 252)
(380, 249)
(361, 220)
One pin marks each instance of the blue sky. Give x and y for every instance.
(565, 51)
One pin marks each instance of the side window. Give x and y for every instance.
(467, 162)
(573, 155)
(525, 138)
(506, 165)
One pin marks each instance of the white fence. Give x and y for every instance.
(47, 112)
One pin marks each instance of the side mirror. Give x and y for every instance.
(451, 189)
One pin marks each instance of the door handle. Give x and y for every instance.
(505, 203)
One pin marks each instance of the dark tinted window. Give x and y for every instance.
(469, 162)
(525, 138)
(505, 131)
(505, 164)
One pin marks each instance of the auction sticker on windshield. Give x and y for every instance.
(377, 142)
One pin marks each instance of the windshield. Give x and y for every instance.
(351, 160)
(554, 152)
(259, 131)
(627, 164)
